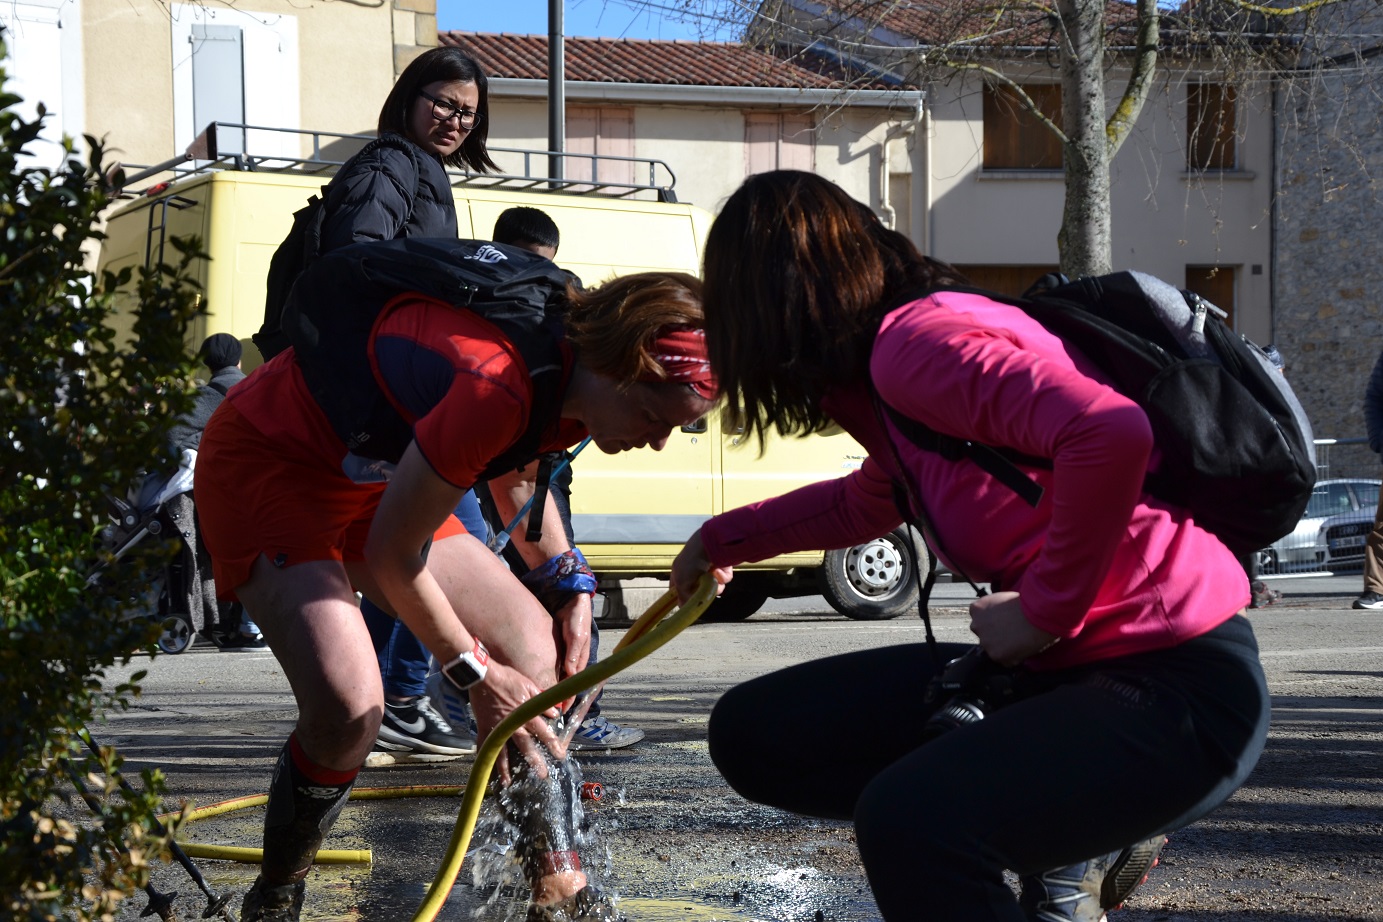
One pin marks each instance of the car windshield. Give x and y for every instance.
(1331, 499)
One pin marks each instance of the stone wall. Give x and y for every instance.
(1328, 303)
(415, 30)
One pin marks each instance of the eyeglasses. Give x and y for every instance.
(443, 110)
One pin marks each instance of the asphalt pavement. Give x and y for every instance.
(1302, 840)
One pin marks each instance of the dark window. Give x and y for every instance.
(1014, 138)
(1210, 122)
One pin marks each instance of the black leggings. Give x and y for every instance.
(1096, 758)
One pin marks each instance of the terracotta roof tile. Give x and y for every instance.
(946, 22)
(676, 63)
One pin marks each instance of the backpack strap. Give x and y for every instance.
(540, 488)
(910, 507)
(999, 463)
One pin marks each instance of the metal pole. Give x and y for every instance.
(556, 91)
(216, 905)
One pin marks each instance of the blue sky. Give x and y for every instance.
(596, 18)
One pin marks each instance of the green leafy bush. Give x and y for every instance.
(81, 415)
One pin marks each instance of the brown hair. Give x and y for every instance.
(798, 276)
(447, 65)
(613, 327)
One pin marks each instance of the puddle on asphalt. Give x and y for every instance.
(728, 875)
(646, 910)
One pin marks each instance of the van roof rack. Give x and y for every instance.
(226, 145)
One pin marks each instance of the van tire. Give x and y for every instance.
(737, 602)
(877, 580)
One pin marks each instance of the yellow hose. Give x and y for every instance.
(625, 654)
(647, 634)
(247, 855)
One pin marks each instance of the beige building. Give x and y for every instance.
(953, 165)
(148, 76)
(711, 112)
(1192, 184)
(996, 189)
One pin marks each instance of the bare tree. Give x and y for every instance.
(1108, 53)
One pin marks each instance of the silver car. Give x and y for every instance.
(1344, 537)
(1305, 548)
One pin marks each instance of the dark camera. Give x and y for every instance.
(971, 686)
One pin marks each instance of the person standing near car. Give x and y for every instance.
(534, 230)
(226, 625)
(1372, 599)
(434, 117)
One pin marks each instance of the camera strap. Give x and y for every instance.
(910, 505)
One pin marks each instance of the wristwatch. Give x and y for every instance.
(469, 668)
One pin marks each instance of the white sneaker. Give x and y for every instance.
(603, 733)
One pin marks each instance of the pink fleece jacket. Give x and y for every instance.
(1099, 563)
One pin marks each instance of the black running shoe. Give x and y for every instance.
(1082, 892)
(1128, 871)
(415, 726)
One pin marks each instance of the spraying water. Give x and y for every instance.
(541, 843)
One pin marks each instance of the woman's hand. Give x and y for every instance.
(689, 566)
(494, 699)
(1004, 631)
(572, 625)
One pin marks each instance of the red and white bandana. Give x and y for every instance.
(681, 353)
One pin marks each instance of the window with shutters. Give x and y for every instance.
(778, 141)
(599, 132)
(1014, 137)
(1210, 127)
(218, 81)
(234, 67)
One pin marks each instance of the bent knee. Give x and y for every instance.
(341, 732)
(740, 747)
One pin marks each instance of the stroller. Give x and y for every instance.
(160, 506)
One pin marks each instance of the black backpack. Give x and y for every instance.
(333, 306)
(1235, 444)
(302, 246)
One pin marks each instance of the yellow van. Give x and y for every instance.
(632, 511)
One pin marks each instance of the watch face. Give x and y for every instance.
(463, 672)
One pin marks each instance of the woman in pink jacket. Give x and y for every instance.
(1142, 704)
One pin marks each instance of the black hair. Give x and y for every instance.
(525, 226)
(442, 65)
(798, 276)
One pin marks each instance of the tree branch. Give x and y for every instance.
(1121, 120)
(1018, 91)
(1282, 11)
